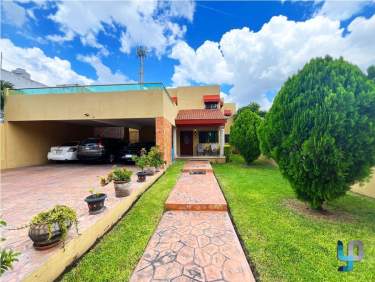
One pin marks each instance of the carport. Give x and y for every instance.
(36, 120)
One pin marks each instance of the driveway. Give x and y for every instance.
(28, 191)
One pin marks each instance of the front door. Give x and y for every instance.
(186, 143)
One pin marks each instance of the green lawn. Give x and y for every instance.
(285, 245)
(116, 255)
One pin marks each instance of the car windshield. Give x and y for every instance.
(90, 141)
(69, 144)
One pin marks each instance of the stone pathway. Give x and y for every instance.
(195, 240)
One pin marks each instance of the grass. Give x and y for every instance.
(285, 245)
(116, 255)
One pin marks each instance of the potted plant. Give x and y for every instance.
(8, 256)
(121, 181)
(155, 158)
(49, 228)
(141, 161)
(95, 202)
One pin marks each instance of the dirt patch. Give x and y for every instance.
(326, 214)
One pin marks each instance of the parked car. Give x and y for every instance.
(65, 152)
(100, 149)
(133, 150)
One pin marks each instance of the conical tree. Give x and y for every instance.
(321, 129)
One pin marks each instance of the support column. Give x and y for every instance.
(163, 136)
(222, 140)
(174, 142)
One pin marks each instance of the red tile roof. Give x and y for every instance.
(201, 117)
(200, 114)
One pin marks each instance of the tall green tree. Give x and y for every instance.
(371, 73)
(244, 136)
(254, 107)
(321, 129)
(4, 84)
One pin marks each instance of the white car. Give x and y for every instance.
(65, 152)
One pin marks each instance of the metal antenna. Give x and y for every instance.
(141, 54)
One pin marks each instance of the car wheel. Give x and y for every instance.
(111, 158)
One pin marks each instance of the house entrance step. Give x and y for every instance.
(192, 166)
(193, 246)
(196, 192)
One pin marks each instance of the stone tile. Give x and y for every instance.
(197, 166)
(196, 193)
(210, 261)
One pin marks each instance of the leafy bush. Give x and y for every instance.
(321, 129)
(7, 256)
(155, 157)
(227, 152)
(243, 135)
(117, 174)
(64, 216)
(143, 160)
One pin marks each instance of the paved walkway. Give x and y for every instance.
(195, 240)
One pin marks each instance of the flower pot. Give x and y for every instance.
(150, 171)
(141, 176)
(122, 188)
(39, 234)
(95, 203)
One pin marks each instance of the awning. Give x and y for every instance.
(201, 117)
(211, 98)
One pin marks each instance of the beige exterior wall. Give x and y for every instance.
(368, 189)
(191, 97)
(113, 105)
(27, 143)
(228, 124)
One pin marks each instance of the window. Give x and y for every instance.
(208, 137)
(226, 138)
(211, 105)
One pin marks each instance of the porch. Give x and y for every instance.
(199, 135)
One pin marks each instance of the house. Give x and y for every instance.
(185, 122)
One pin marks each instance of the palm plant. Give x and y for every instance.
(4, 85)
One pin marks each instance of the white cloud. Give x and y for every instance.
(341, 10)
(204, 65)
(44, 69)
(257, 62)
(13, 13)
(104, 73)
(149, 23)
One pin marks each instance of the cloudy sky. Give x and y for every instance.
(249, 48)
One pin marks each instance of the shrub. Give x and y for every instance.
(321, 129)
(243, 135)
(227, 152)
(155, 157)
(143, 160)
(64, 216)
(7, 256)
(117, 174)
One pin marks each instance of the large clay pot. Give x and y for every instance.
(39, 234)
(141, 176)
(122, 188)
(95, 203)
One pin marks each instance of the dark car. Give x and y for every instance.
(134, 149)
(100, 149)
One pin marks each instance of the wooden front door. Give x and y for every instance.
(186, 143)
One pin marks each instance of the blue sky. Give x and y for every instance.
(249, 48)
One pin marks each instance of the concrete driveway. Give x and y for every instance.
(28, 191)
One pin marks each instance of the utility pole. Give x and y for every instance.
(141, 54)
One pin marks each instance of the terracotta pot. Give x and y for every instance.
(95, 203)
(141, 176)
(122, 188)
(38, 233)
